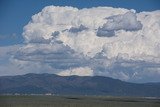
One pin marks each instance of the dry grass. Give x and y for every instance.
(76, 101)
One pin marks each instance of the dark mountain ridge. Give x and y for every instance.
(75, 85)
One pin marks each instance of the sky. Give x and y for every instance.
(114, 38)
(17, 13)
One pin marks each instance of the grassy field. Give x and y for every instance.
(76, 101)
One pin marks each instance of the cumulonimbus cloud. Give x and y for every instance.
(108, 41)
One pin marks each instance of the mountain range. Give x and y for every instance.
(75, 85)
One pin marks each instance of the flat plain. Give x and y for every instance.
(75, 101)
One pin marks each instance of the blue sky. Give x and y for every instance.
(15, 14)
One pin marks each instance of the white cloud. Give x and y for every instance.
(81, 71)
(64, 39)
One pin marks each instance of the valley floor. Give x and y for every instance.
(76, 101)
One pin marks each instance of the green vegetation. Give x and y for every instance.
(76, 101)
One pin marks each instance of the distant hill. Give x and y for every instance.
(75, 85)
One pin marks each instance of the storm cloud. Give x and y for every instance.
(127, 22)
(106, 41)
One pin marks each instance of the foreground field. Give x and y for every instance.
(76, 101)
